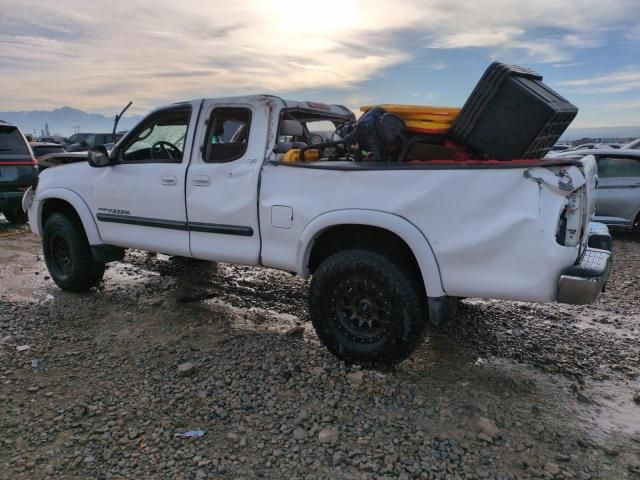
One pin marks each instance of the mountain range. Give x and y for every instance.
(63, 121)
(602, 132)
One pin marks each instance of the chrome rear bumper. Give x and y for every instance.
(581, 284)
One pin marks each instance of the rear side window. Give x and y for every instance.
(227, 135)
(618, 167)
(11, 142)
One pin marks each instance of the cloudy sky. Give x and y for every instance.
(100, 54)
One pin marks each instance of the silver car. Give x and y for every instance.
(618, 194)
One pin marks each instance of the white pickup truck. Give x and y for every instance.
(389, 246)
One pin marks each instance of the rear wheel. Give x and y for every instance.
(68, 255)
(16, 217)
(366, 308)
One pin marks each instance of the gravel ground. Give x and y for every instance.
(164, 346)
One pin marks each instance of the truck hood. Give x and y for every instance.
(57, 159)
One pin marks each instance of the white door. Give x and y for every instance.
(222, 183)
(139, 202)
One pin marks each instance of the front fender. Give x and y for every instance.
(408, 232)
(76, 201)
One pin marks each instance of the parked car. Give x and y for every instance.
(40, 148)
(18, 172)
(91, 140)
(584, 148)
(559, 148)
(389, 245)
(56, 140)
(75, 138)
(591, 146)
(618, 194)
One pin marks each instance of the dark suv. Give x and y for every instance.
(18, 171)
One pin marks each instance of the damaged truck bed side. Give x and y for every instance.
(388, 246)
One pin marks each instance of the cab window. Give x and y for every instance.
(618, 167)
(161, 139)
(227, 135)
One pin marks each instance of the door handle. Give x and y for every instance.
(200, 180)
(168, 180)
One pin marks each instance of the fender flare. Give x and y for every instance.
(408, 232)
(81, 208)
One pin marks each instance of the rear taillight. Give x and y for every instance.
(572, 222)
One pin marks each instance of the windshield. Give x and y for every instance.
(11, 141)
(173, 134)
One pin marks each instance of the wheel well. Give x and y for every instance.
(56, 205)
(366, 237)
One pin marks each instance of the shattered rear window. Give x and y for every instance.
(11, 142)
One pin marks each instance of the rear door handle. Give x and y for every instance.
(169, 180)
(200, 180)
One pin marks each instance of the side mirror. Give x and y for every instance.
(98, 157)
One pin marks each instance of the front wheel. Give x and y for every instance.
(68, 255)
(366, 308)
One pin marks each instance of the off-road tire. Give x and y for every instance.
(68, 255)
(16, 217)
(384, 287)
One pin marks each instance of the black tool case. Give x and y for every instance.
(511, 114)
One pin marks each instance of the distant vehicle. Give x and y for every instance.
(591, 146)
(29, 137)
(41, 148)
(580, 150)
(18, 171)
(57, 140)
(559, 148)
(618, 193)
(91, 140)
(75, 138)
